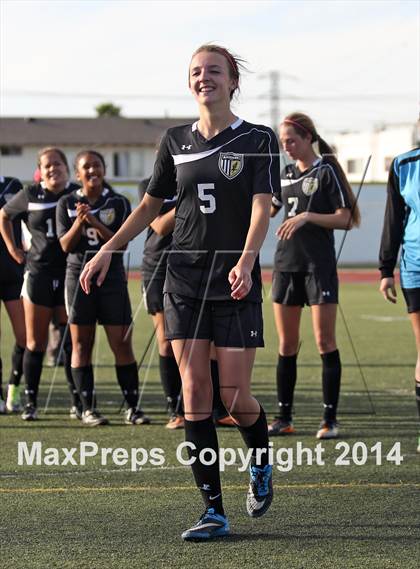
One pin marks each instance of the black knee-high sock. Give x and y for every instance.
(171, 383)
(286, 381)
(84, 382)
(32, 370)
(331, 379)
(256, 437)
(17, 365)
(207, 477)
(219, 409)
(418, 395)
(128, 379)
(66, 348)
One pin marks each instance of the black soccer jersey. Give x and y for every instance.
(10, 270)
(111, 209)
(215, 181)
(155, 246)
(318, 190)
(36, 206)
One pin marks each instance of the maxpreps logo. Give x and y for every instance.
(309, 186)
(231, 164)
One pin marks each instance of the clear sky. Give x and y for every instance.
(350, 64)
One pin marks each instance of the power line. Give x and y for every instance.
(273, 95)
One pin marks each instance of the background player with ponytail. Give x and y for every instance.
(224, 171)
(317, 199)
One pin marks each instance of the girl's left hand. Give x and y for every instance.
(240, 281)
(291, 225)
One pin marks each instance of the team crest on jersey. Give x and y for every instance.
(309, 186)
(107, 216)
(231, 164)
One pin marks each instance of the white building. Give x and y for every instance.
(128, 145)
(382, 143)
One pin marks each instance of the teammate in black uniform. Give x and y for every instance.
(11, 278)
(402, 229)
(224, 171)
(86, 219)
(43, 287)
(317, 199)
(157, 244)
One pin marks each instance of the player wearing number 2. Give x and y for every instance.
(223, 170)
(43, 286)
(86, 219)
(317, 199)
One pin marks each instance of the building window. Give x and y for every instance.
(354, 166)
(387, 163)
(121, 164)
(11, 150)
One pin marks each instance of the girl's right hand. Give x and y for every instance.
(98, 264)
(388, 290)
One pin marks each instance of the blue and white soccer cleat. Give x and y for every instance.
(209, 526)
(260, 493)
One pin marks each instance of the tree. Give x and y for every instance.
(107, 110)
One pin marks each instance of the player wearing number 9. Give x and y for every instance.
(86, 219)
(43, 287)
(223, 170)
(317, 199)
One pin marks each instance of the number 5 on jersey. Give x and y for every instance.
(207, 198)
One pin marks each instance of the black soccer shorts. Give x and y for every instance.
(153, 295)
(44, 289)
(228, 323)
(108, 304)
(412, 299)
(11, 290)
(298, 289)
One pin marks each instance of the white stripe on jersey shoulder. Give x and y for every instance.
(183, 159)
(40, 206)
(343, 201)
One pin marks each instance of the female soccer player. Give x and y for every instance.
(317, 199)
(43, 287)
(155, 255)
(223, 170)
(402, 227)
(11, 278)
(86, 219)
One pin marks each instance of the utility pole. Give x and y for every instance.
(275, 95)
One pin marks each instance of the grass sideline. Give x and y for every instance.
(353, 516)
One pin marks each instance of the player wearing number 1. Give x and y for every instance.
(43, 286)
(317, 199)
(223, 170)
(86, 219)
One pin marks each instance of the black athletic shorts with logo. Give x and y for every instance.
(298, 289)
(108, 304)
(44, 289)
(228, 323)
(412, 299)
(153, 295)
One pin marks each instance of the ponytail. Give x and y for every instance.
(326, 150)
